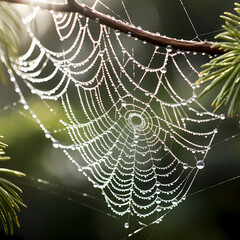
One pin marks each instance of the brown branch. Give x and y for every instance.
(73, 6)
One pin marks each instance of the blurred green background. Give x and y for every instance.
(211, 214)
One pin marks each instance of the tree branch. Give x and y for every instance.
(156, 39)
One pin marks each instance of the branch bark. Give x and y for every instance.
(74, 6)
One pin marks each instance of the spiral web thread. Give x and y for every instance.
(132, 124)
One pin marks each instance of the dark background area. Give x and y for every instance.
(58, 212)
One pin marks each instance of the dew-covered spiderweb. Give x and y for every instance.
(129, 120)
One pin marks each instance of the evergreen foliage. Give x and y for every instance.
(10, 200)
(225, 69)
(9, 41)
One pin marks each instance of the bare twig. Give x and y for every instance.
(74, 6)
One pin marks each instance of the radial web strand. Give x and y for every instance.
(130, 122)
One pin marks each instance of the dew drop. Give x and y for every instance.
(157, 184)
(97, 20)
(124, 103)
(117, 32)
(158, 200)
(56, 144)
(169, 48)
(215, 130)
(163, 70)
(126, 225)
(185, 166)
(47, 134)
(77, 84)
(159, 208)
(25, 106)
(200, 164)
(124, 50)
(174, 201)
(129, 34)
(184, 103)
(17, 90)
(136, 135)
(222, 116)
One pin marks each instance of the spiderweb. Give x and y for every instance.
(130, 122)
